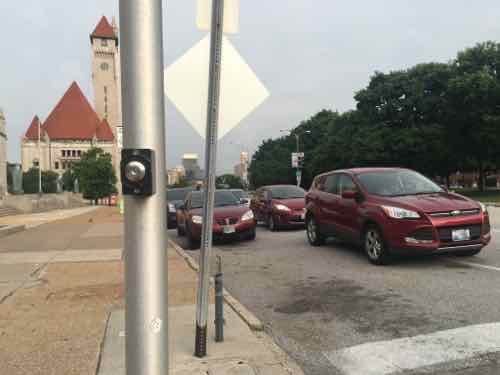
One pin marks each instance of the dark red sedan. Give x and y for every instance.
(280, 206)
(391, 210)
(232, 219)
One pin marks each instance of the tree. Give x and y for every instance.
(229, 181)
(31, 181)
(68, 180)
(474, 94)
(95, 174)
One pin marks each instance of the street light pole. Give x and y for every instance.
(210, 168)
(39, 161)
(146, 278)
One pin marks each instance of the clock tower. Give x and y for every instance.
(106, 80)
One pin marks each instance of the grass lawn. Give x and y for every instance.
(492, 196)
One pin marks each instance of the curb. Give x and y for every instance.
(11, 229)
(248, 317)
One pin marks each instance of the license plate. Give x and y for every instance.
(229, 229)
(460, 234)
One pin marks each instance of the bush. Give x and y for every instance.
(30, 181)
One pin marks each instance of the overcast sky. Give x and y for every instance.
(311, 54)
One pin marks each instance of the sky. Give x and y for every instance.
(310, 54)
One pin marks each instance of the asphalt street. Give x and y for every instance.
(333, 311)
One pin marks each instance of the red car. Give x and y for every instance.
(280, 206)
(231, 218)
(392, 210)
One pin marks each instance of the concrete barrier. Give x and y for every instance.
(28, 203)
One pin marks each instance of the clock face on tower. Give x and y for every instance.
(104, 66)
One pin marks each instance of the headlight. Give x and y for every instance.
(483, 207)
(247, 216)
(197, 219)
(171, 207)
(281, 207)
(400, 213)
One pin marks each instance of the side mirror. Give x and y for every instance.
(244, 201)
(445, 188)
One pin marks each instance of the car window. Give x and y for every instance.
(222, 198)
(319, 183)
(287, 192)
(346, 184)
(331, 184)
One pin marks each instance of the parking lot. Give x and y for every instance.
(334, 312)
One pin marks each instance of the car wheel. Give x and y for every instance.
(469, 253)
(314, 236)
(180, 231)
(375, 247)
(192, 243)
(273, 227)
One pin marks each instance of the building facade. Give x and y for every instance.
(74, 125)
(3, 155)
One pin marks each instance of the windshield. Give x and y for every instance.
(240, 194)
(222, 198)
(397, 183)
(177, 194)
(287, 192)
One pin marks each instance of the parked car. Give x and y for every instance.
(392, 210)
(279, 206)
(231, 218)
(242, 195)
(175, 198)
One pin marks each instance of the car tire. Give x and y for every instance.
(273, 227)
(375, 246)
(314, 235)
(180, 231)
(192, 243)
(469, 253)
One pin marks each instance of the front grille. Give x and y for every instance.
(473, 211)
(424, 234)
(227, 221)
(445, 233)
(296, 219)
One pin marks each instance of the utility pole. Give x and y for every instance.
(143, 183)
(39, 161)
(210, 168)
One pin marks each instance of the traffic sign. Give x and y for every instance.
(296, 158)
(241, 91)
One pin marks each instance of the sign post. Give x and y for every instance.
(143, 181)
(210, 168)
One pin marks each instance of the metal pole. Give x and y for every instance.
(39, 162)
(146, 308)
(219, 302)
(210, 169)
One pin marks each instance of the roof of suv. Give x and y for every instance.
(363, 170)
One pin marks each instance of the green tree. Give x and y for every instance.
(31, 181)
(95, 174)
(474, 94)
(230, 181)
(68, 180)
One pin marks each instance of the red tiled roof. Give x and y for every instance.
(72, 118)
(104, 132)
(103, 29)
(32, 132)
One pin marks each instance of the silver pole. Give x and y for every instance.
(210, 170)
(39, 161)
(146, 309)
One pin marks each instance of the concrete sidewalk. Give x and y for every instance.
(243, 352)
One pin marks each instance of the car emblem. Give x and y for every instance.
(455, 213)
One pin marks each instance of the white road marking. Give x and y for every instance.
(388, 357)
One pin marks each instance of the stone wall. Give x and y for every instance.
(28, 203)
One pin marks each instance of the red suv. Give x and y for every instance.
(280, 206)
(393, 210)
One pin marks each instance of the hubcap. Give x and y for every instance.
(311, 230)
(373, 244)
